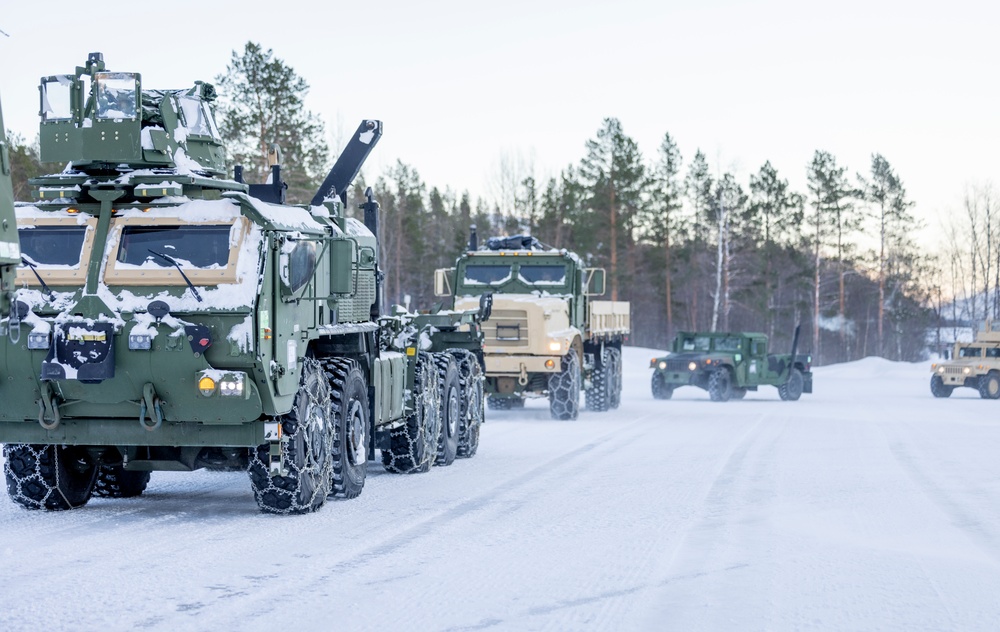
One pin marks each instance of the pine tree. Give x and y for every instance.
(666, 193)
(262, 104)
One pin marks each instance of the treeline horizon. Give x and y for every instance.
(689, 249)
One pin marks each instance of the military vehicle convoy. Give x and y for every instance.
(973, 365)
(727, 365)
(168, 318)
(546, 335)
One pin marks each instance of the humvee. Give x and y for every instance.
(169, 318)
(727, 365)
(973, 365)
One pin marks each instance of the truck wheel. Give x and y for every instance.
(413, 446)
(114, 481)
(720, 385)
(938, 388)
(450, 394)
(739, 393)
(989, 385)
(307, 444)
(792, 389)
(349, 452)
(661, 390)
(48, 476)
(471, 376)
(616, 378)
(598, 395)
(511, 402)
(564, 389)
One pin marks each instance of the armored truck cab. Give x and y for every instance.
(546, 335)
(167, 318)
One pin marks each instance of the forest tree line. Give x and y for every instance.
(689, 246)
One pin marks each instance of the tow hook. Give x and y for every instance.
(151, 406)
(48, 407)
(523, 378)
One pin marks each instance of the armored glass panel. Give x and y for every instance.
(52, 245)
(544, 275)
(195, 119)
(727, 344)
(687, 344)
(970, 352)
(993, 353)
(205, 247)
(485, 275)
(57, 101)
(116, 95)
(702, 343)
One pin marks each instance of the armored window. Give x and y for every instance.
(57, 98)
(702, 343)
(759, 348)
(202, 247)
(993, 353)
(486, 274)
(116, 95)
(52, 246)
(687, 344)
(728, 344)
(196, 119)
(543, 275)
(970, 352)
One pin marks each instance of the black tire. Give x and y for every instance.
(598, 395)
(450, 395)
(471, 375)
(307, 447)
(660, 388)
(48, 476)
(505, 402)
(938, 387)
(720, 385)
(739, 393)
(616, 378)
(792, 389)
(349, 452)
(114, 481)
(989, 385)
(564, 389)
(413, 445)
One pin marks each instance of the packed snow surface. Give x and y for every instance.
(867, 505)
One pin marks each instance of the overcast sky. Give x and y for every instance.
(461, 84)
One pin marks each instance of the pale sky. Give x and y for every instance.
(460, 84)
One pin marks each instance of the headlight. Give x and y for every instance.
(555, 345)
(140, 342)
(692, 366)
(226, 384)
(38, 340)
(966, 370)
(940, 369)
(662, 364)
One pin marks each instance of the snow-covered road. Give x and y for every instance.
(868, 505)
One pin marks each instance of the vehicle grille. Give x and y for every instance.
(507, 328)
(677, 365)
(953, 370)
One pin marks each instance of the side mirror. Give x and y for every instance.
(485, 307)
(442, 281)
(298, 265)
(593, 281)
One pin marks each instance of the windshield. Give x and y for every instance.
(52, 246)
(57, 101)
(701, 343)
(727, 344)
(970, 352)
(543, 275)
(196, 119)
(205, 247)
(486, 275)
(116, 95)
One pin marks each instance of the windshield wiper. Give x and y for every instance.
(34, 269)
(178, 266)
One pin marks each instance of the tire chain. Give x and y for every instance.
(336, 371)
(472, 381)
(413, 445)
(598, 397)
(114, 482)
(564, 389)
(33, 479)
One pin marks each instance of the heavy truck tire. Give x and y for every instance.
(720, 385)
(938, 387)
(48, 476)
(660, 388)
(349, 452)
(564, 389)
(450, 395)
(598, 395)
(512, 402)
(308, 432)
(471, 376)
(413, 446)
(792, 389)
(739, 393)
(989, 385)
(616, 378)
(114, 481)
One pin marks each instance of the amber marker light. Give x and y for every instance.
(206, 385)
(550, 364)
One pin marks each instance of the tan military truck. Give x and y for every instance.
(546, 335)
(973, 365)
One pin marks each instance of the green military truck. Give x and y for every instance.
(974, 365)
(10, 250)
(168, 318)
(727, 365)
(546, 336)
